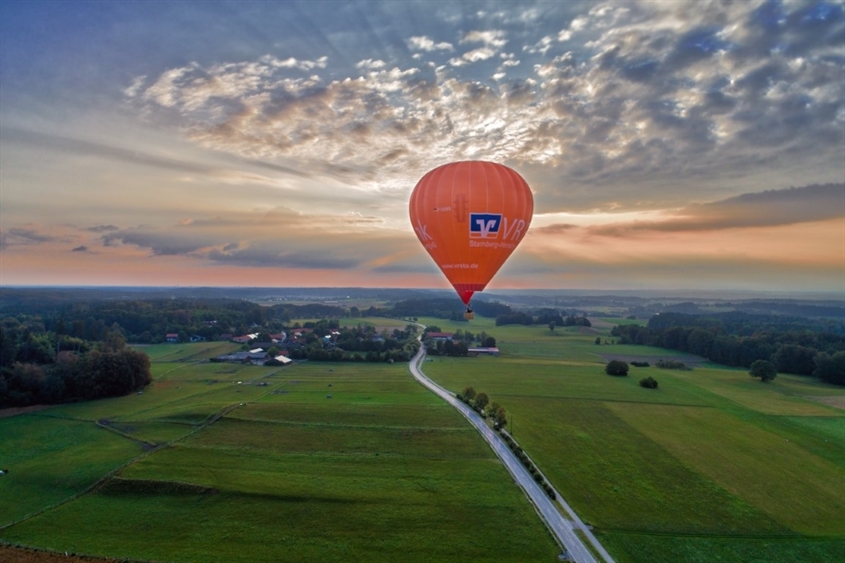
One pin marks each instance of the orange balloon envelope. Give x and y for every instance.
(470, 216)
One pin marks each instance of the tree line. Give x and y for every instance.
(741, 340)
(46, 368)
(549, 317)
(150, 320)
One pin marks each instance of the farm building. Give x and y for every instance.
(251, 357)
(487, 351)
(440, 336)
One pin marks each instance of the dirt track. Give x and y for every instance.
(22, 410)
(9, 554)
(836, 401)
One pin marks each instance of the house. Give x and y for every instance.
(172, 337)
(487, 351)
(245, 338)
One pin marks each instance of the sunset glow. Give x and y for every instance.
(277, 144)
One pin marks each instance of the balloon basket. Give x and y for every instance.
(469, 315)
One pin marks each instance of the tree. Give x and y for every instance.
(481, 401)
(552, 326)
(598, 340)
(497, 413)
(489, 342)
(763, 369)
(616, 367)
(468, 393)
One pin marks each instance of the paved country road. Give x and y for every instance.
(563, 529)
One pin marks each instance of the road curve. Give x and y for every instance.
(561, 528)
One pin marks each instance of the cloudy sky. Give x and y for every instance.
(669, 144)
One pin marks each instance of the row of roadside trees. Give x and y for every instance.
(481, 404)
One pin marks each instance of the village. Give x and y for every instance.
(283, 348)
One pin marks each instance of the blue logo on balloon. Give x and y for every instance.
(484, 225)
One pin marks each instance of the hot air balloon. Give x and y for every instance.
(470, 216)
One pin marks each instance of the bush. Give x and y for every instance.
(648, 382)
(640, 364)
(671, 364)
(616, 367)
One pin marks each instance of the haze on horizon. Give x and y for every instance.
(668, 144)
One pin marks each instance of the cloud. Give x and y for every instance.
(494, 38)
(81, 248)
(291, 62)
(770, 208)
(24, 236)
(423, 43)
(370, 64)
(90, 148)
(654, 94)
(102, 228)
(277, 239)
(267, 254)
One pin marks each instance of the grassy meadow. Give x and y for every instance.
(711, 466)
(223, 462)
(357, 462)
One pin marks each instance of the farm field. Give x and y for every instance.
(223, 462)
(329, 461)
(711, 466)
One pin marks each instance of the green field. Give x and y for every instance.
(712, 466)
(222, 462)
(331, 461)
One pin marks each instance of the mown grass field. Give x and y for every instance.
(221, 462)
(711, 466)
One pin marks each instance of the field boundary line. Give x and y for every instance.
(102, 480)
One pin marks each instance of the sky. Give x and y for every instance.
(668, 144)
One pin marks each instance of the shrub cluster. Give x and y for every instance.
(640, 364)
(616, 367)
(648, 382)
(671, 364)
